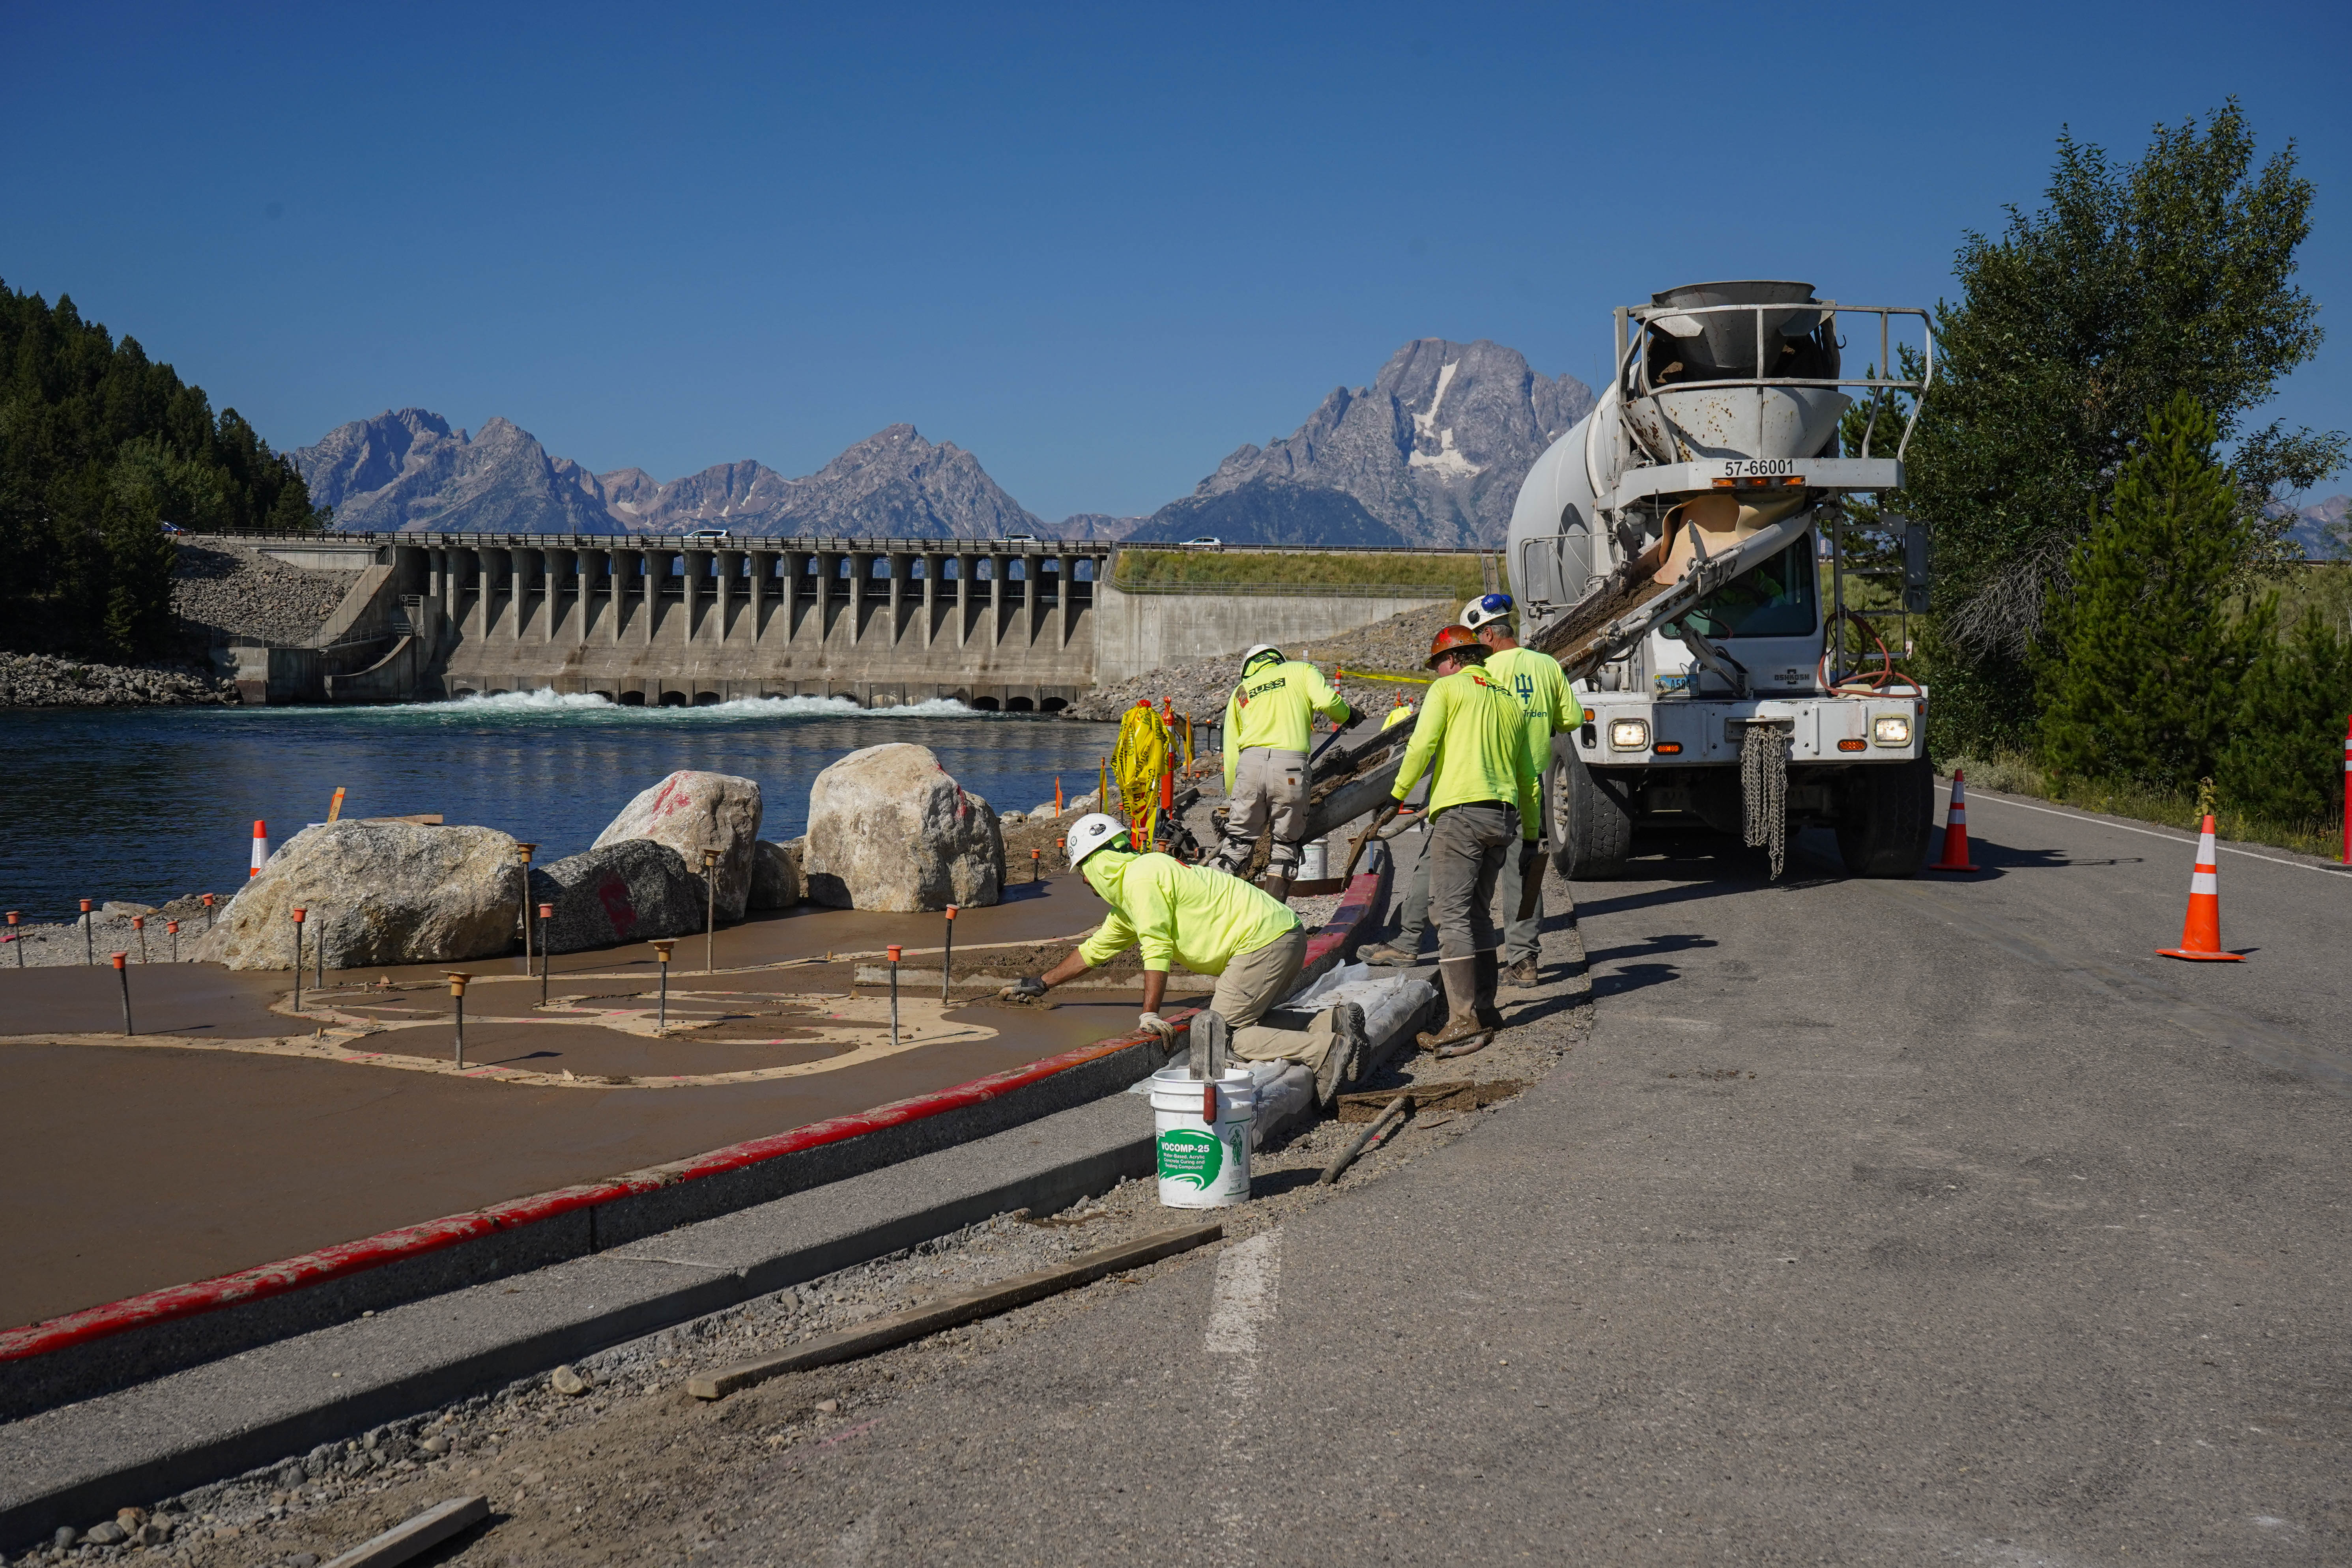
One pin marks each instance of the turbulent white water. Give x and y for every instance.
(545, 701)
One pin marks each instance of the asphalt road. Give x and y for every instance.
(1874, 1222)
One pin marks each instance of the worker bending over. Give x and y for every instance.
(1269, 720)
(1473, 741)
(1212, 924)
(1549, 708)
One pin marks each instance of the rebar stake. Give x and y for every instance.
(173, 927)
(89, 947)
(123, 974)
(208, 912)
(522, 853)
(298, 958)
(139, 924)
(711, 909)
(546, 913)
(457, 999)
(661, 955)
(15, 939)
(894, 995)
(1033, 856)
(947, 955)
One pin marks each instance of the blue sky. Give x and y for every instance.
(1099, 247)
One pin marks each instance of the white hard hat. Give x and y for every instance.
(1485, 610)
(1265, 648)
(1090, 833)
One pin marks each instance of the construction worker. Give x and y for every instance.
(1535, 678)
(1473, 740)
(1214, 924)
(1269, 719)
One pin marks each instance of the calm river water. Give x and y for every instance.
(148, 804)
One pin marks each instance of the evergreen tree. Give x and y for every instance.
(2144, 678)
(2134, 282)
(2284, 756)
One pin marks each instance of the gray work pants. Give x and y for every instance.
(1469, 845)
(1254, 981)
(1521, 938)
(1268, 786)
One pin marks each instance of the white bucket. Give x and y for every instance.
(1313, 860)
(1204, 1161)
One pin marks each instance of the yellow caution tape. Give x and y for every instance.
(1401, 680)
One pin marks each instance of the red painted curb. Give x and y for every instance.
(414, 1241)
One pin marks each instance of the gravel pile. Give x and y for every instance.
(38, 681)
(224, 589)
(59, 944)
(1397, 645)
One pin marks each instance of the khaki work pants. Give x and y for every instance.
(1268, 785)
(1254, 981)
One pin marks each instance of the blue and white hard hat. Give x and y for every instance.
(1485, 610)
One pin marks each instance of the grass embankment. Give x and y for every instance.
(1454, 576)
(2014, 773)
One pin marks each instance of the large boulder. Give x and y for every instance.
(375, 893)
(631, 891)
(888, 829)
(776, 880)
(691, 811)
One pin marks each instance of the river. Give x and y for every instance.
(148, 804)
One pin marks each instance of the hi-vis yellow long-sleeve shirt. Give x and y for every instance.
(1472, 737)
(1203, 919)
(1541, 686)
(1275, 709)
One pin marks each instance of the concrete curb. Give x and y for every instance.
(113, 1346)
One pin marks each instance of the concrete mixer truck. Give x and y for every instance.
(1666, 550)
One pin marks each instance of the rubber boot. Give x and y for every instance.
(1490, 972)
(1277, 888)
(1460, 978)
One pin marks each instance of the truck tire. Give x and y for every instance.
(1885, 816)
(1589, 820)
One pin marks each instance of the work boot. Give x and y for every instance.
(1523, 972)
(1489, 971)
(1387, 954)
(1343, 1063)
(1460, 978)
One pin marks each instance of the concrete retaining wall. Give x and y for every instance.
(1135, 634)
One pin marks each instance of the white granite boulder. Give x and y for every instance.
(375, 893)
(634, 891)
(776, 880)
(888, 829)
(691, 811)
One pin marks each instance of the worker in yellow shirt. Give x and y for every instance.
(1541, 686)
(1212, 924)
(1473, 740)
(1269, 720)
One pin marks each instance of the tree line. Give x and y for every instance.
(2108, 532)
(99, 447)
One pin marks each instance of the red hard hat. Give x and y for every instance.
(1453, 638)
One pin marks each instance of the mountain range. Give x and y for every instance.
(1431, 453)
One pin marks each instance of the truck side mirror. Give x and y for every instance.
(1915, 566)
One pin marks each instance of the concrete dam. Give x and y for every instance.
(1020, 626)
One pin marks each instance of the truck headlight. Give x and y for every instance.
(1893, 730)
(1629, 734)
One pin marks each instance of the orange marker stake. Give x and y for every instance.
(124, 976)
(947, 955)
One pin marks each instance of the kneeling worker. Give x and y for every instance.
(1473, 740)
(1216, 925)
(1269, 724)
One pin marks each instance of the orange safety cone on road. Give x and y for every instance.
(2200, 934)
(260, 848)
(1956, 827)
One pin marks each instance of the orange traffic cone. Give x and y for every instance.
(1956, 827)
(2200, 934)
(260, 848)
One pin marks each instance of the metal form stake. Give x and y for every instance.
(123, 974)
(298, 958)
(208, 912)
(546, 913)
(894, 995)
(522, 853)
(173, 927)
(947, 955)
(321, 946)
(89, 949)
(457, 1001)
(1033, 855)
(14, 940)
(139, 924)
(661, 955)
(711, 909)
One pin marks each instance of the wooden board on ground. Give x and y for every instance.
(1459, 1094)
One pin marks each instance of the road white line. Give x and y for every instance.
(1990, 798)
(1249, 1281)
(1248, 1288)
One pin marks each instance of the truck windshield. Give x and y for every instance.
(1775, 600)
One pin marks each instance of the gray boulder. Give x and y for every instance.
(888, 829)
(634, 891)
(777, 882)
(690, 812)
(375, 893)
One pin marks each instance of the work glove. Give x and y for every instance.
(1531, 871)
(1156, 1025)
(1028, 988)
